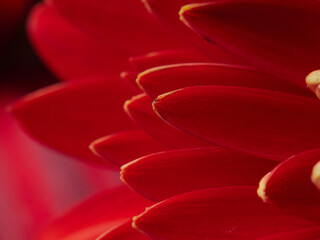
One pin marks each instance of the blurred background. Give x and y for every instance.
(36, 183)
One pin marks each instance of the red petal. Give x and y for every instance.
(140, 110)
(264, 123)
(123, 232)
(96, 215)
(289, 186)
(69, 52)
(167, 13)
(218, 213)
(163, 175)
(284, 44)
(163, 79)
(304, 234)
(166, 57)
(123, 23)
(123, 147)
(130, 79)
(68, 117)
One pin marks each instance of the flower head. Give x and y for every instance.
(211, 115)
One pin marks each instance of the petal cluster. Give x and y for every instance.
(196, 115)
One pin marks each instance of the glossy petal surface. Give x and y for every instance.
(304, 234)
(166, 57)
(167, 12)
(69, 52)
(122, 23)
(284, 44)
(264, 123)
(123, 147)
(68, 117)
(220, 213)
(163, 175)
(164, 79)
(289, 186)
(123, 232)
(96, 215)
(140, 110)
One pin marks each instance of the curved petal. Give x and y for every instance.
(139, 109)
(218, 213)
(96, 215)
(303, 234)
(163, 175)
(167, 12)
(123, 232)
(156, 81)
(285, 45)
(69, 116)
(166, 57)
(130, 79)
(123, 147)
(289, 186)
(270, 124)
(123, 23)
(67, 51)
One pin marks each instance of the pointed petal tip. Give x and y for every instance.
(127, 107)
(262, 188)
(138, 80)
(313, 82)
(182, 13)
(315, 177)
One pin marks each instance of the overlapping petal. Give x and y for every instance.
(166, 11)
(158, 80)
(166, 57)
(68, 52)
(140, 110)
(219, 213)
(123, 232)
(284, 33)
(163, 175)
(123, 23)
(264, 123)
(304, 234)
(69, 116)
(289, 186)
(123, 147)
(96, 215)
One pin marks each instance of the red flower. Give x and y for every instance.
(214, 117)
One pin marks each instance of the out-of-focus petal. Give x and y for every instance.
(170, 56)
(67, 51)
(217, 213)
(96, 215)
(158, 80)
(303, 234)
(69, 116)
(123, 23)
(279, 37)
(123, 232)
(289, 186)
(265, 123)
(123, 147)
(163, 175)
(140, 110)
(130, 79)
